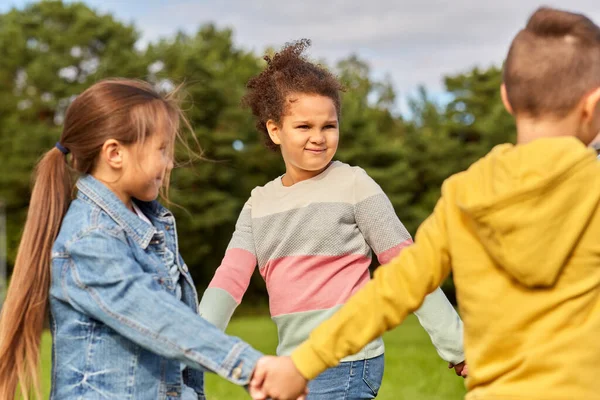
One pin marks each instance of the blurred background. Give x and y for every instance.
(422, 103)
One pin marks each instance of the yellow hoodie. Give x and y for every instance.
(521, 232)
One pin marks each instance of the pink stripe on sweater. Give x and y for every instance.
(307, 283)
(387, 256)
(234, 273)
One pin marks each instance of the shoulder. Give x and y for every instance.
(84, 219)
(99, 238)
(266, 189)
(364, 185)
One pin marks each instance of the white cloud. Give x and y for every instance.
(415, 42)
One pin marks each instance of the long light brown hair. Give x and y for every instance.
(126, 110)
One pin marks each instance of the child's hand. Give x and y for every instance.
(277, 378)
(461, 369)
(256, 393)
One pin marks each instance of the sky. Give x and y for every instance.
(413, 42)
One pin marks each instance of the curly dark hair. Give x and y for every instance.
(288, 71)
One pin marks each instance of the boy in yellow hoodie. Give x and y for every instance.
(520, 229)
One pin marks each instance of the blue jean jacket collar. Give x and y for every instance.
(108, 201)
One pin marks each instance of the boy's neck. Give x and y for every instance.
(530, 129)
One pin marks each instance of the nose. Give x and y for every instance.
(317, 138)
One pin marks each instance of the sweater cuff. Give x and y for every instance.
(308, 362)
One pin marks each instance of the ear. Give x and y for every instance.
(591, 106)
(274, 131)
(113, 153)
(590, 116)
(505, 101)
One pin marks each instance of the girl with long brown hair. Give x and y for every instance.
(101, 254)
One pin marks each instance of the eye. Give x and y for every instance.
(330, 127)
(303, 127)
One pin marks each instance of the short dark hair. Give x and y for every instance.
(552, 63)
(287, 72)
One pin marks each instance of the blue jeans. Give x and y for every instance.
(352, 380)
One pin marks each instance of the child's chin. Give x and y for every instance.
(149, 197)
(316, 166)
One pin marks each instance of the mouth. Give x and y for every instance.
(316, 151)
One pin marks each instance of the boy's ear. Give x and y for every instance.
(505, 101)
(273, 130)
(590, 115)
(591, 106)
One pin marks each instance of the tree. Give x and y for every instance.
(212, 192)
(477, 115)
(50, 52)
(372, 137)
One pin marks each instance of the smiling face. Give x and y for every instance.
(308, 135)
(151, 161)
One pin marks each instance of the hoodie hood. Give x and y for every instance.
(529, 205)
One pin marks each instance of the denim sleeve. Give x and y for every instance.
(103, 280)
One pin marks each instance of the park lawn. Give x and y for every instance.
(413, 370)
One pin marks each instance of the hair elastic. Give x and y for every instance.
(62, 148)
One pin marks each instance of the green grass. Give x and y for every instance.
(413, 369)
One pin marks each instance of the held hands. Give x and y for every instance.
(461, 369)
(277, 378)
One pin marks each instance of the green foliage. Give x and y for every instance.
(50, 51)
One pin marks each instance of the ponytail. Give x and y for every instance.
(25, 308)
(122, 109)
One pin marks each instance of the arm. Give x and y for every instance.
(232, 278)
(397, 289)
(105, 282)
(387, 236)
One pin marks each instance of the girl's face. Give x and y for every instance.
(137, 170)
(150, 162)
(307, 136)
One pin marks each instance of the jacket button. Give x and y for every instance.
(237, 373)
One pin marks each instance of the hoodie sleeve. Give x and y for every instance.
(387, 236)
(397, 289)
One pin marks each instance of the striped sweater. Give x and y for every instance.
(312, 243)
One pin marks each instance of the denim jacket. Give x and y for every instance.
(118, 330)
